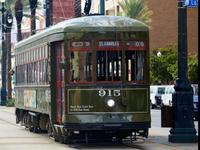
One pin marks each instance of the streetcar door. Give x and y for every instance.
(59, 81)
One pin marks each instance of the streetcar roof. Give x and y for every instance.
(88, 24)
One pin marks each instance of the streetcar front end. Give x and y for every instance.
(107, 90)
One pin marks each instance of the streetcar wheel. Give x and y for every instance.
(59, 139)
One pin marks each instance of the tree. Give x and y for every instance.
(136, 9)
(33, 6)
(20, 7)
(18, 16)
(193, 69)
(77, 8)
(163, 68)
(11, 4)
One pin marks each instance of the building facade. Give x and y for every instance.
(62, 10)
(164, 25)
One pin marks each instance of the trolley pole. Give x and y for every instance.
(183, 130)
(102, 7)
(3, 60)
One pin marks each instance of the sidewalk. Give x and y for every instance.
(157, 140)
(160, 136)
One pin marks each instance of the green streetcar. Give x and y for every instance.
(85, 78)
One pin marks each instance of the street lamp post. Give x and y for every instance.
(183, 130)
(3, 60)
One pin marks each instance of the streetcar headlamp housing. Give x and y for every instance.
(111, 103)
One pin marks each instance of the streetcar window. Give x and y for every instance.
(16, 60)
(28, 56)
(109, 65)
(46, 51)
(80, 66)
(20, 70)
(135, 65)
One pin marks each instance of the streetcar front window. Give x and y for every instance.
(135, 65)
(80, 66)
(109, 65)
(108, 57)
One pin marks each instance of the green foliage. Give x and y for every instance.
(193, 69)
(136, 9)
(10, 102)
(10, 4)
(164, 68)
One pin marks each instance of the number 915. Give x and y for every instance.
(103, 93)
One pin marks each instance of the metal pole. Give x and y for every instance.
(183, 130)
(102, 7)
(3, 61)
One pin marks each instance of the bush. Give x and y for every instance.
(193, 69)
(164, 68)
(10, 102)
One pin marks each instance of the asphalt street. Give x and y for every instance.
(15, 137)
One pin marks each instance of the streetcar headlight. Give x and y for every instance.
(111, 103)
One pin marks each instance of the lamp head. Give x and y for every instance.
(8, 20)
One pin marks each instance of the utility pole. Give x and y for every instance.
(183, 130)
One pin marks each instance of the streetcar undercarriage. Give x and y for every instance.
(111, 134)
(81, 133)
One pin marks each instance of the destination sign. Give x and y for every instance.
(135, 45)
(80, 44)
(108, 43)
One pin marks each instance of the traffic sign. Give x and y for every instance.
(191, 3)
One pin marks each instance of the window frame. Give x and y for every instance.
(84, 48)
(133, 47)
